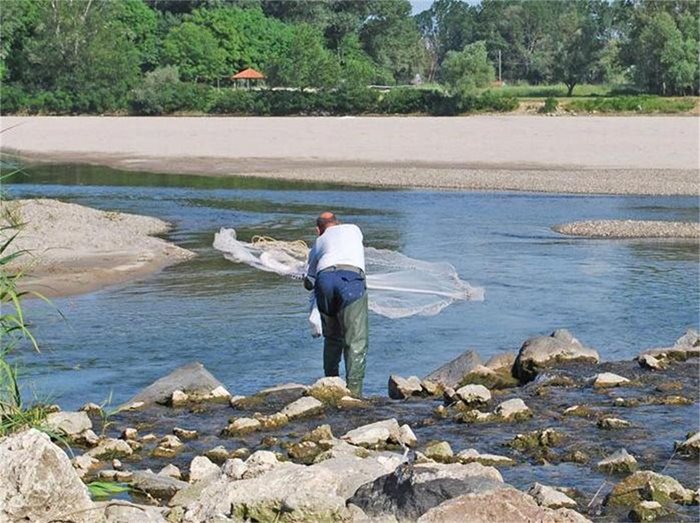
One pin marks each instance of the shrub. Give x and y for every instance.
(354, 100)
(636, 104)
(13, 99)
(550, 105)
(403, 101)
(236, 101)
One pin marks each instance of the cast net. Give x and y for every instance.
(398, 286)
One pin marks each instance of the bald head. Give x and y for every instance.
(325, 220)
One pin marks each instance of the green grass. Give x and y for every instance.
(554, 91)
(633, 104)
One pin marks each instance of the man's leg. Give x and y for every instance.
(355, 327)
(332, 345)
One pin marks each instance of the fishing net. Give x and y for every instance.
(398, 286)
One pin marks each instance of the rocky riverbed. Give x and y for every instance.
(546, 434)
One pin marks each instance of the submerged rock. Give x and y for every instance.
(452, 373)
(548, 351)
(38, 482)
(613, 424)
(620, 461)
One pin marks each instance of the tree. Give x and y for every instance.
(307, 63)
(468, 69)
(577, 49)
(357, 68)
(194, 50)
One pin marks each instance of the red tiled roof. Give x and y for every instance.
(248, 74)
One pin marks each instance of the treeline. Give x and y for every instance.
(161, 56)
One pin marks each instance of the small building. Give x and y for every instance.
(247, 78)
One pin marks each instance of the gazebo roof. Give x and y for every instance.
(248, 74)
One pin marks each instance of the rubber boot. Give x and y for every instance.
(354, 323)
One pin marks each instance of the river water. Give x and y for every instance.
(249, 328)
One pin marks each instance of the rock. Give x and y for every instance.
(581, 411)
(217, 454)
(348, 402)
(548, 351)
(319, 434)
(118, 476)
(305, 451)
(492, 379)
(406, 436)
(287, 388)
(645, 485)
(492, 460)
(513, 410)
(170, 471)
(303, 407)
(687, 346)
(502, 361)
(535, 440)
(451, 373)
(116, 464)
(68, 423)
(91, 409)
(87, 438)
(439, 451)
(219, 393)
(202, 468)
(550, 497)
(191, 378)
(374, 434)
(242, 426)
(273, 421)
(170, 442)
(650, 362)
(618, 462)
(38, 481)
(497, 504)
(259, 463)
(234, 468)
(431, 388)
(608, 379)
(613, 423)
(237, 401)
(185, 434)
(411, 490)
(125, 512)
(129, 433)
(402, 388)
(111, 448)
(160, 487)
(690, 447)
(329, 390)
(178, 399)
(242, 453)
(149, 438)
(474, 394)
(83, 463)
(647, 511)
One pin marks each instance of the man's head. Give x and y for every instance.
(324, 221)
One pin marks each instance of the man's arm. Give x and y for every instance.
(311, 267)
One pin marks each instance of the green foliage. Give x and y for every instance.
(307, 62)
(194, 50)
(103, 490)
(468, 69)
(550, 106)
(404, 101)
(632, 104)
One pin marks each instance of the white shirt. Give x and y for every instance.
(338, 245)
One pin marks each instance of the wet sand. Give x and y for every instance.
(594, 155)
(630, 229)
(72, 249)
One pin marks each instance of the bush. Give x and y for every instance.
(403, 101)
(236, 101)
(550, 106)
(354, 100)
(635, 104)
(13, 99)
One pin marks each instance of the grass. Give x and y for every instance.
(633, 104)
(556, 90)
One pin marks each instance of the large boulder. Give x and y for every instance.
(192, 378)
(68, 423)
(646, 485)
(451, 373)
(498, 504)
(402, 388)
(375, 434)
(548, 351)
(38, 482)
(157, 485)
(411, 490)
(687, 346)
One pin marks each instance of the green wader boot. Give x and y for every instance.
(346, 335)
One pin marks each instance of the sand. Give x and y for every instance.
(75, 249)
(630, 229)
(606, 155)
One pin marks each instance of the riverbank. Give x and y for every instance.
(72, 249)
(596, 155)
(549, 433)
(619, 229)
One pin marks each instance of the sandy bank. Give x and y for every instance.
(75, 249)
(630, 229)
(609, 155)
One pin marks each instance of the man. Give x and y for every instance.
(336, 274)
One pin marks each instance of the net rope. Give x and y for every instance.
(398, 286)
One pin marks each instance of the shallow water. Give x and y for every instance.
(250, 328)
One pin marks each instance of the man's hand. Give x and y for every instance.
(308, 283)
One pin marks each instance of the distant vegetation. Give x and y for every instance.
(169, 56)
